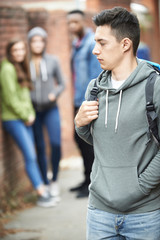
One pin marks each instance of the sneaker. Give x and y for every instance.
(57, 199)
(54, 189)
(46, 201)
(46, 187)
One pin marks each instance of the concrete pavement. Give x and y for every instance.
(66, 221)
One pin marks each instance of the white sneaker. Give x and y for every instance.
(46, 187)
(54, 189)
(46, 201)
(57, 199)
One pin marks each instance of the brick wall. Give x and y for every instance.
(20, 2)
(13, 22)
(99, 5)
(58, 44)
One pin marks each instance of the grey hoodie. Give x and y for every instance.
(125, 176)
(49, 81)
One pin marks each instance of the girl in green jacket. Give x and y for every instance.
(18, 114)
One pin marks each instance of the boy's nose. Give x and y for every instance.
(95, 50)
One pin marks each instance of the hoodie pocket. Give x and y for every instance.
(118, 188)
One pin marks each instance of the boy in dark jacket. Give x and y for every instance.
(85, 67)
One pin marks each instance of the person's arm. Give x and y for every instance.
(10, 95)
(88, 112)
(92, 68)
(59, 86)
(150, 177)
(59, 78)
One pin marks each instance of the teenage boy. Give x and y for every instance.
(124, 199)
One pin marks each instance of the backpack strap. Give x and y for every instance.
(95, 90)
(93, 93)
(150, 110)
(155, 65)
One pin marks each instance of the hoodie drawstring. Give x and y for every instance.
(43, 70)
(118, 110)
(33, 71)
(106, 117)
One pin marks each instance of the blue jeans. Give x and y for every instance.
(51, 120)
(23, 136)
(104, 225)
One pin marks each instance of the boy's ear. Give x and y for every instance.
(126, 44)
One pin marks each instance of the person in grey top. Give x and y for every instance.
(48, 84)
(124, 198)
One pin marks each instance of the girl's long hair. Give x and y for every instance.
(22, 69)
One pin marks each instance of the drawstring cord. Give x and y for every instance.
(33, 71)
(43, 69)
(106, 117)
(118, 111)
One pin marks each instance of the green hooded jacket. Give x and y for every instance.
(15, 100)
(125, 176)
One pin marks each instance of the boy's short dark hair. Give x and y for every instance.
(76, 11)
(122, 22)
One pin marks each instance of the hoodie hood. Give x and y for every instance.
(104, 79)
(37, 31)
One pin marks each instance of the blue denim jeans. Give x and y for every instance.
(49, 119)
(23, 136)
(104, 225)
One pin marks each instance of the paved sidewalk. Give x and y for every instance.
(66, 221)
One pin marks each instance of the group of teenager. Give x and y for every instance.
(124, 188)
(30, 84)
